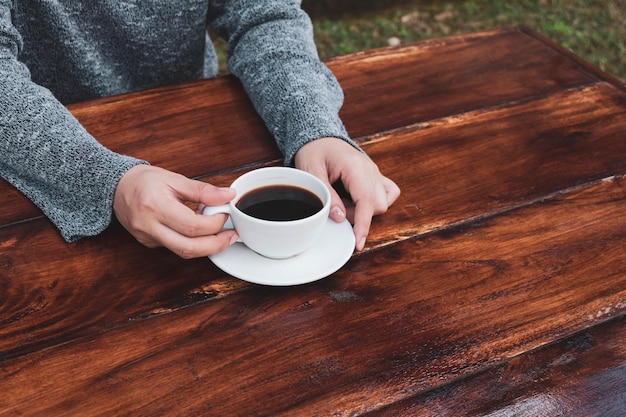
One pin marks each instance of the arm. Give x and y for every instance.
(271, 50)
(77, 183)
(46, 153)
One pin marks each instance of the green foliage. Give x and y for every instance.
(595, 30)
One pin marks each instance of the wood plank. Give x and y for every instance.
(482, 162)
(575, 138)
(442, 77)
(206, 122)
(540, 383)
(43, 279)
(193, 129)
(460, 302)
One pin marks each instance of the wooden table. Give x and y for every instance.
(495, 286)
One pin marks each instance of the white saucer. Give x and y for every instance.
(331, 251)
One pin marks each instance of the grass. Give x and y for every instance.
(593, 29)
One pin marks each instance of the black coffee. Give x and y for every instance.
(280, 203)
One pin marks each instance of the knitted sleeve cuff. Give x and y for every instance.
(55, 162)
(297, 96)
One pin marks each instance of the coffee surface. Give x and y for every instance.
(280, 203)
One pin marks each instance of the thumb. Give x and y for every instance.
(204, 193)
(337, 207)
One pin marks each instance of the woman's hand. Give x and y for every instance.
(331, 160)
(150, 203)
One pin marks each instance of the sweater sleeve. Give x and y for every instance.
(270, 48)
(46, 153)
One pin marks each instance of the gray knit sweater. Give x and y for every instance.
(58, 52)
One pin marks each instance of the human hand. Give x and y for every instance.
(150, 203)
(332, 159)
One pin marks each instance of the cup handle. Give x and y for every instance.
(222, 208)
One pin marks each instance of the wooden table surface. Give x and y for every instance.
(495, 286)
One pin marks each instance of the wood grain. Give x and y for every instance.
(449, 72)
(459, 302)
(494, 286)
(483, 162)
(452, 73)
(539, 383)
(514, 163)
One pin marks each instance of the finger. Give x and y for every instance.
(200, 208)
(338, 210)
(363, 213)
(192, 223)
(337, 207)
(186, 222)
(188, 248)
(153, 233)
(392, 191)
(201, 192)
(376, 202)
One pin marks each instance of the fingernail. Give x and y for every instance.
(337, 213)
(361, 244)
(233, 239)
(224, 189)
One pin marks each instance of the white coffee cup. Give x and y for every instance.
(273, 238)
